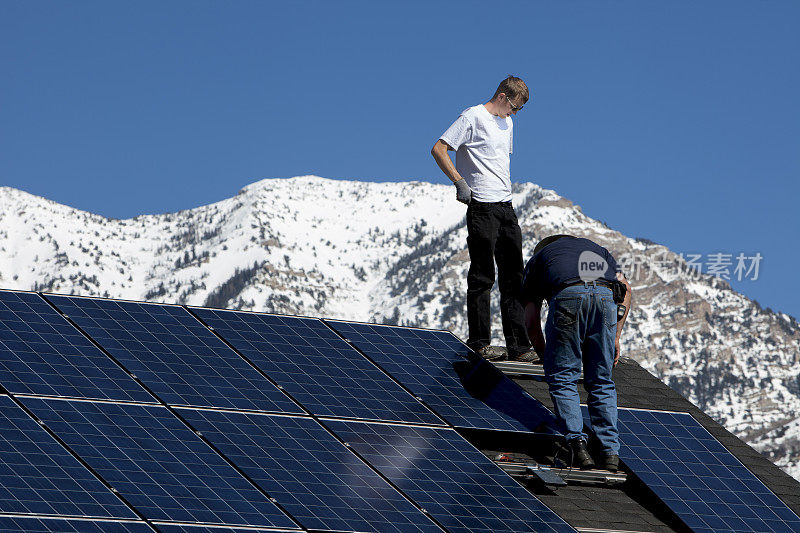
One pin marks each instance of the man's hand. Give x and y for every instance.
(621, 277)
(533, 324)
(463, 192)
(621, 322)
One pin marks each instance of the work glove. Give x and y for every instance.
(463, 192)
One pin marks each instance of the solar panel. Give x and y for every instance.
(434, 365)
(19, 524)
(445, 475)
(311, 474)
(158, 464)
(696, 476)
(175, 355)
(42, 353)
(320, 370)
(38, 476)
(406, 340)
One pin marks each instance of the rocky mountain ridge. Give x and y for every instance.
(396, 253)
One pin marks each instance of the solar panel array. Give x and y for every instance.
(125, 416)
(158, 417)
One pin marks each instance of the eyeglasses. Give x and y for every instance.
(513, 107)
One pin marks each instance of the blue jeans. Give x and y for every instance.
(581, 327)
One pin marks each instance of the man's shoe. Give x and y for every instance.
(528, 357)
(611, 462)
(493, 353)
(580, 455)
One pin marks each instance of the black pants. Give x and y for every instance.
(494, 235)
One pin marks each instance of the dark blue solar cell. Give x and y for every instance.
(158, 464)
(18, 524)
(312, 475)
(435, 366)
(320, 370)
(447, 476)
(38, 476)
(42, 353)
(696, 476)
(175, 355)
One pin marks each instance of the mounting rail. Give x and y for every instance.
(574, 475)
(514, 368)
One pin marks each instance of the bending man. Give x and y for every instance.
(576, 277)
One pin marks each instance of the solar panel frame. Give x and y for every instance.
(49, 524)
(41, 353)
(316, 367)
(160, 466)
(166, 348)
(312, 475)
(696, 476)
(185, 528)
(437, 367)
(39, 476)
(447, 476)
(43, 524)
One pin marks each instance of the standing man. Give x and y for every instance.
(579, 280)
(482, 138)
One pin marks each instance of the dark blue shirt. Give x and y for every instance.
(563, 261)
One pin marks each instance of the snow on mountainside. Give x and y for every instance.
(396, 253)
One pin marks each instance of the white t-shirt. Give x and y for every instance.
(483, 143)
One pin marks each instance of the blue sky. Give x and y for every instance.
(674, 121)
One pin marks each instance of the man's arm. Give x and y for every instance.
(533, 323)
(621, 322)
(439, 153)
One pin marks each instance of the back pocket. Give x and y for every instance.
(565, 311)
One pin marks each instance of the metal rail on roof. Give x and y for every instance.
(515, 368)
(574, 475)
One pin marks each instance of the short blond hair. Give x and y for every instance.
(513, 87)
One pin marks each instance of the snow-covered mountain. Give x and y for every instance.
(396, 253)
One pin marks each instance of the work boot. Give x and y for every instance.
(611, 462)
(493, 353)
(580, 455)
(528, 357)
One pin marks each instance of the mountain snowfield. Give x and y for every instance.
(396, 253)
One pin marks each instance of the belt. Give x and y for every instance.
(504, 204)
(600, 282)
